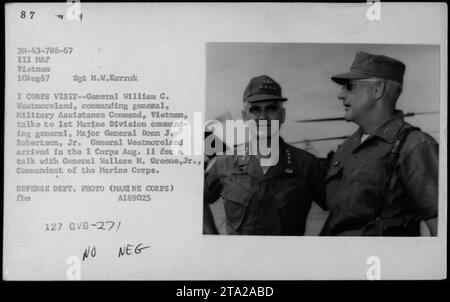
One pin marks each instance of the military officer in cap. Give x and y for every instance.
(383, 180)
(269, 199)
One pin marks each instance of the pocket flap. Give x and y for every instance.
(236, 193)
(289, 195)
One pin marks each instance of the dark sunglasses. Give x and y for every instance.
(349, 85)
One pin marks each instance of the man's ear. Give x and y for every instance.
(283, 116)
(244, 115)
(379, 89)
(244, 112)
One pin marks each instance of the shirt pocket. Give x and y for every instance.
(236, 200)
(289, 193)
(294, 204)
(371, 177)
(286, 185)
(368, 183)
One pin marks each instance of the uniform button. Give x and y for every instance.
(355, 156)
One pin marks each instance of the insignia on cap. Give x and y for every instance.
(262, 88)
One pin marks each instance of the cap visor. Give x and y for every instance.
(342, 78)
(264, 97)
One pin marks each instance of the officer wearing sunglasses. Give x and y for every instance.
(383, 180)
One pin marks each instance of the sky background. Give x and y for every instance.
(304, 71)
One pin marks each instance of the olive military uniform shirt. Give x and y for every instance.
(273, 203)
(357, 174)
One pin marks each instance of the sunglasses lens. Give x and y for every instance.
(348, 86)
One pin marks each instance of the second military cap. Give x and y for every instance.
(263, 88)
(367, 65)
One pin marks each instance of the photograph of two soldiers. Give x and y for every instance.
(352, 132)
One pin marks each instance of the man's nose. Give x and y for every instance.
(342, 95)
(263, 115)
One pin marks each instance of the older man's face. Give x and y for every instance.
(357, 98)
(264, 111)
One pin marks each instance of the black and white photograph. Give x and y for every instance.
(358, 144)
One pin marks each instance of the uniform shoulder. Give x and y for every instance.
(416, 138)
(420, 136)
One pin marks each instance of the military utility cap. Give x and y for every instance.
(263, 88)
(367, 65)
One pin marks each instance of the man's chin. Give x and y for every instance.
(265, 134)
(262, 134)
(348, 117)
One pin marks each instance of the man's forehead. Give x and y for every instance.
(371, 79)
(263, 104)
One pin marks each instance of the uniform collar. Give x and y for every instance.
(285, 165)
(250, 164)
(388, 130)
